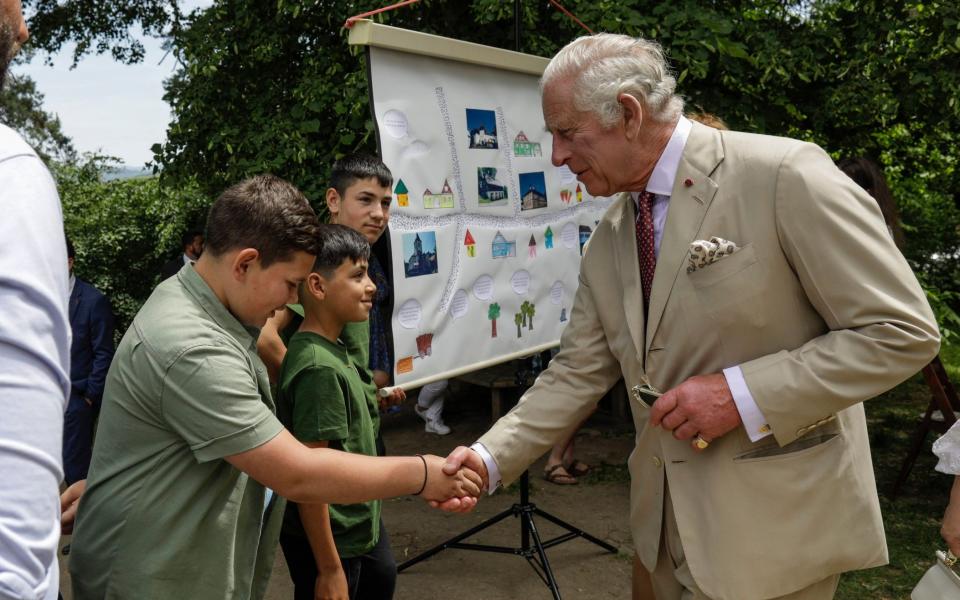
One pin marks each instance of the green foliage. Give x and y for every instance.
(99, 26)
(123, 230)
(21, 108)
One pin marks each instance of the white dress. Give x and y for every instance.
(947, 448)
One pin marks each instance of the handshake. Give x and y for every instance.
(454, 484)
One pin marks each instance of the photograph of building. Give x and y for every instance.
(533, 191)
(490, 191)
(482, 128)
(420, 253)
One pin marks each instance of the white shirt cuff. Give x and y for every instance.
(753, 420)
(493, 471)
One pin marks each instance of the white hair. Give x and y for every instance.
(601, 67)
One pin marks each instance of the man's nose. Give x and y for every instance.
(560, 153)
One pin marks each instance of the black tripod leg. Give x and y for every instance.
(573, 529)
(443, 546)
(544, 563)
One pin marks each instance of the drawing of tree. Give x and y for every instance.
(518, 319)
(493, 313)
(531, 310)
(523, 311)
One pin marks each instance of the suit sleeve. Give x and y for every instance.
(563, 395)
(101, 342)
(881, 328)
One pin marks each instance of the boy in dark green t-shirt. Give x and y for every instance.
(324, 400)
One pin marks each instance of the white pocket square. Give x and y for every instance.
(707, 252)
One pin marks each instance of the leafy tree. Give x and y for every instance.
(123, 230)
(518, 319)
(21, 108)
(531, 310)
(493, 313)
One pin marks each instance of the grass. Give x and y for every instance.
(912, 521)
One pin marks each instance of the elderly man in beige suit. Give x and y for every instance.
(751, 476)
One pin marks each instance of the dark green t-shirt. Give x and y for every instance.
(324, 396)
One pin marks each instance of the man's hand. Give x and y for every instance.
(458, 488)
(700, 405)
(69, 501)
(463, 457)
(331, 585)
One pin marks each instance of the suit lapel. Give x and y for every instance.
(629, 266)
(688, 206)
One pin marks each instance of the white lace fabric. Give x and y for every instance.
(947, 448)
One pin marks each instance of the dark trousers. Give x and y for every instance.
(372, 576)
(78, 424)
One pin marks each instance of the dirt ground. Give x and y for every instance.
(599, 505)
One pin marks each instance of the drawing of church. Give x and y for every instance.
(442, 200)
(524, 147)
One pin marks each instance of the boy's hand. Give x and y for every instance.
(331, 585)
(69, 501)
(390, 396)
(464, 485)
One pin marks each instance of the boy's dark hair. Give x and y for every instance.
(263, 212)
(354, 167)
(336, 244)
(188, 236)
(71, 252)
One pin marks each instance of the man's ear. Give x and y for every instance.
(632, 114)
(243, 261)
(333, 203)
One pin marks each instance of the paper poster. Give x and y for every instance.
(486, 234)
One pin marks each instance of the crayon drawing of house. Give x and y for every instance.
(501, 248)
(470, 244)
(524, 147)
(442, 200)
(403, 196)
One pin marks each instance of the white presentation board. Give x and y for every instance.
(486, 234)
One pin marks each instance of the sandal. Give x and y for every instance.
(558, 475)
(578, 468)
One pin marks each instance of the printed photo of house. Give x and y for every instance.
(482, 128)
(420, 253)
(533, 191)
(490, 191)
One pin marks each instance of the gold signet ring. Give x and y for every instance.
(699, 443)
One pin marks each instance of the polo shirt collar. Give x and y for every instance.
(201, 292)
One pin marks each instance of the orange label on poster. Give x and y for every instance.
(405, 365)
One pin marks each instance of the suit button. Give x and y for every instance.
(657, 462)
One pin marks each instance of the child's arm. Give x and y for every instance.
(306, 474)
(331, 580)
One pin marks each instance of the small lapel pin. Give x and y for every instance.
(688, 182)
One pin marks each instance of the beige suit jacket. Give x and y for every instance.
(817, 306)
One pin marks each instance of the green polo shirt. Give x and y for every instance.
(164, 515)
(324, 396)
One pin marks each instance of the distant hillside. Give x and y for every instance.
(127, 172)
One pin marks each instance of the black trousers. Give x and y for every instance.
(372, 576)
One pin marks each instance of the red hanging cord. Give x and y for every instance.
(571, 15)
(349, 23)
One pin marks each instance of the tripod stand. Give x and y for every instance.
(535, 553)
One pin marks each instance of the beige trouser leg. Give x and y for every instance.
(642, 586)
(672, 579)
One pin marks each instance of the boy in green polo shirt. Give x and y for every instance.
(324, 400)
(180, 500)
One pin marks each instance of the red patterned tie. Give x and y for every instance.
(648, 260)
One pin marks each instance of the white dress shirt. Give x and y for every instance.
(34, 371)
(660, 185)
